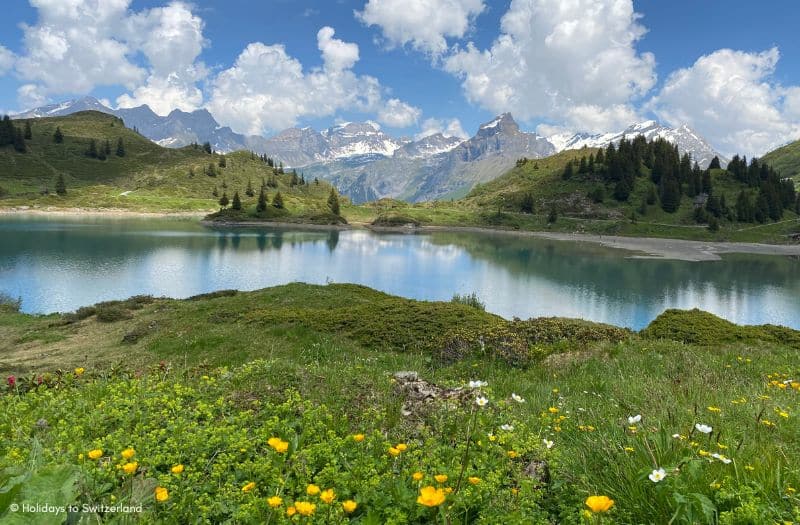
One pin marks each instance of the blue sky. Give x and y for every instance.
(729, 69)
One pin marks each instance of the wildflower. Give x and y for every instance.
(598, 504)
(130, 468)
(555, 390)
(402, 447)
(448, 490)
(327, 495)
(11, 381)
(312, 490)
(721, 446)
(278, 445)
(80, 457)
(791, 490)
(515, 491)
(553, 410)
(767, 423)
(548, 444)
(440, 478)
(417, 476)
(393, 452)
(715, 485)
(750, 468)
(783, 414)
(274, 502)
(79, 371)
(704, 453)
(628, 449)
(162, 494)
(477, 384)
(507, 428)
(128, 453)
(481, 401)
(95, 454)
(358, 438)
(431, 496)
(349, 506)
(517, 398)
(633, 429)
(291, 511)
(512, 454)
(250, 486)
(632, 420)
(657, 475)
(721, 458)
(177, 469)
(474, 480)
(305, 508)
(492, 438)
(703, 429)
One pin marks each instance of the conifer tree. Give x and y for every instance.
(121, 148)
(527, 204)
(333, 202)
(6, 131)
(223, 201)
(262, 201)
(249, 191)
(277, 200)
(714, 165)
(237, 202)
(91, 151)
(19, 141)
(107, 147)
(61, 185)
(28, 130)
(207, 148)
(222, 161)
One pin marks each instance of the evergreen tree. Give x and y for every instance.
(652, 196)
(715, 165)
(552, 217)
(222, 161)
(121, 148)
(597, 194)
(211, 171)
(761, 212)
(600, 159)
(713, 224)
(223, 201)
(58, 137)
(262, 201)
(28, 130)
(333, 202)
(6, 131)
(568, 171)
(583, 167)
(670, 195)
(316, 181)
(237, 202)
(249, 191)
(91, 151)
(19, 141)
(107, 147)
(207, 148)
(744, 208)
(61, 185)
(527, 204)
(277, 200)
(707, 188)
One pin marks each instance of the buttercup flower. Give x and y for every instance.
(553, 410)
(128, 453)
(598, 504)
(305, 508)
(349, 506)
(291, 511)
(402, 447)
(250, 486)
(327, 495)
(95, 454)
(177, 469)
(440, 478)
(394, 452)
(657, 475)
(474, 480)
(162, 494)
(632, 420)
(278, 445)
(704, 429)
(79, 371)
(130, 468)
(274, 502)
(358, 438)
(431, 496)
(416, 476)
(312, 490)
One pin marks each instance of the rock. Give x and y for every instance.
(539, 471)
(418, 393)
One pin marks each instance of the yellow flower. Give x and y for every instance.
(328, 495)
(704, 453)
(431, 496)
(512, 454)
(130, 468)
(474, 480)
(393, 452)
(628, 449)
(358, 438)
(599, 503)
(749, 467)
(177, 469)
(250, 486)
(79, 371)
(714, 409)
(274, 502)
(128, 453)
(280, 446)
(791, 490)
(95, 454)
(402, 447)
(349, 506)
(448, 490)
(440, 478)
(291, 511)
(416, 476)
(553, 410)
(312, 490)
(162, 494)
(715, 485)
(304, 508)
(783, 414)
(80, 457)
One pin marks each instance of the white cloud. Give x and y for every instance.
(448, 128)
(6, 60)
(569, 61)
(729, 97)
(425, 24)
(31, 95)
(268, 90)
(397, 114)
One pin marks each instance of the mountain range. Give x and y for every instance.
(365, 163)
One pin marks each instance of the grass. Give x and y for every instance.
(313, 366)
(786, 160)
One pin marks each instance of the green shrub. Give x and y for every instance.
(471, 300)
(9, 304)
(213, 295)
(84, 312)
(111, 313)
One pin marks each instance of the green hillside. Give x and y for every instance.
(786, 160)
(147, 177)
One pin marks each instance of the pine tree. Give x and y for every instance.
(333, 202)
(237, 202)
(121, 148)
(262, 201)
(19, 141)
(6, 131)
(744, 208)
(223, 201)
(670, 195)
(91, 151)
(28, 130)
(61, 185)
(715, 165)
(277, 200)
(249, 191)
(568, 171)
(222, 161)
(211, 170)
(107, 147)
(207, 148)
(527, 204)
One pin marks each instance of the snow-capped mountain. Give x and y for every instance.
(66, 108)
(360, 138)
(428, 146)
(687, 140)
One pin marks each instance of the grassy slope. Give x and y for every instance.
(154, 178)
(786, 160)
(337, 346)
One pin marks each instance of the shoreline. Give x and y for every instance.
(641, 247)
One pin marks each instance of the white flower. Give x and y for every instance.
(507, 428)
(657, 475)
(477, 384)
(517, 398)
(721, 458)
(632, 420)
(547, 443)
(481, 401)
(676, 436)
(705, 429)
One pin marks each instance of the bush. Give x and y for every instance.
(213, 295)
(469, 300)
(80, 314)
(9, 304)
(112, 313)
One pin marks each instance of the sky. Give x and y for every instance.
(728, 69)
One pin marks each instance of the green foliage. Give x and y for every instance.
(394, 219)
(471, 300)
(9, 304)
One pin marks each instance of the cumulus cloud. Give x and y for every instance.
(6, 60)
(77, 45)
(574, 62)
(424, 24)
(448, 128)
(268, 90)
(397, 114)
(729, 97)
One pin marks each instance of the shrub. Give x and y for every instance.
(111, 313)
(80, 314)
(213, 295)
(9, 304)
(471, 300)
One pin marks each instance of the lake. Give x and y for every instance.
(57, 264)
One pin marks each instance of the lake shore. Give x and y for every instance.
(108, 212)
